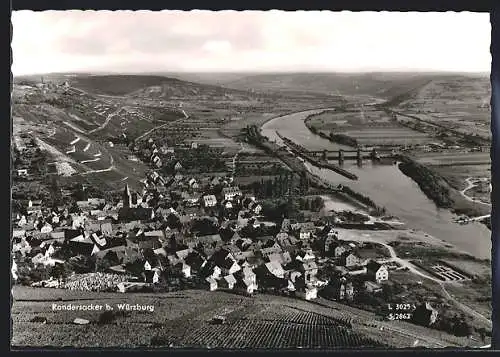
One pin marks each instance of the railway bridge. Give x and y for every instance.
(359, 154)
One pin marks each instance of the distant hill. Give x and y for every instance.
(213, 78)
(383, 85)
(150, 86)
(163, 85)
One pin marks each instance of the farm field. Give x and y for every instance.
(368, 127)
(93, 156)
(333, 119)
(454, 158)
(457, 102)
(470, 267)
(475, 295)
(387, 136)
(181, 319)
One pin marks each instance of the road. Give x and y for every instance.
(159, 127)
(471, 183)
(235, 158)
(150, 131)
(473, 219)
(394, 258)
(465, 308)
(110, 116)
(405, 263)
(110, 168)
(98, 95)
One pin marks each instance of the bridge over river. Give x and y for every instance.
(359, 155)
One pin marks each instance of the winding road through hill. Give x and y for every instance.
(471, 183)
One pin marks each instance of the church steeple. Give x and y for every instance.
(127, 197)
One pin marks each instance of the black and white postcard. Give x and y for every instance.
(251, 180)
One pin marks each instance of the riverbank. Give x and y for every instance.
(429, 182)
(439, 190)
(387, 186)
(341, 139)
(255, 137)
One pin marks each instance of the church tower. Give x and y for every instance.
(127, 197)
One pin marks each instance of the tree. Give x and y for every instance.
(173, 221)
(59, 272)
(205, 227)
(81, 264)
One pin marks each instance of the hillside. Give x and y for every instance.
(75, 129)
(149, 86)
(383, 85)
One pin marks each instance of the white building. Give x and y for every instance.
(210, 200)
(231, 192)
(377, 272)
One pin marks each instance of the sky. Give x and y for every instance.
(249, 41)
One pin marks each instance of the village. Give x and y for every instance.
(182, 231)
(203, 219)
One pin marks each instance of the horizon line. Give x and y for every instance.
(159, 72)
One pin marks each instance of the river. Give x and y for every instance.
(388, 187)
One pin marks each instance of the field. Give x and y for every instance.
(469, 171)
(372, 251)
(475, 295)
(182, 319)
(368, 127)
(455, 158)
(472, 268)
(385, 85)
(179, 320)
(458, 102)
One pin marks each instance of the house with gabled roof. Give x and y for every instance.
(349, 259)
(152, 276)
(160, 251)
(377, 272)
(275, 269)
(21, 245)
(305, 290)
(152, 243)
(305, 255)
(371, 287)
(227, 282)
(271, 250)
(99, 241)
(178, 166)
(225, 261)
(309, 270)
(183, 253)
(158, 234)
(306, 230)
(210, 268)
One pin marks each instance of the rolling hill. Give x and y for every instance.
(151, 86)
(383, 85)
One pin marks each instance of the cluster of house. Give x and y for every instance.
(165, 151)
(150, 235)
(149, 249)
